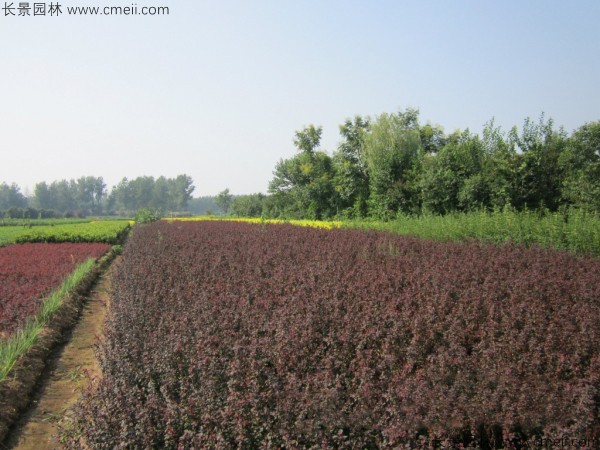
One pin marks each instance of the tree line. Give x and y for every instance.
(393, 164)
(383, 166)
(89, 196)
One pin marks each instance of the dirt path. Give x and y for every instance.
(64, 377)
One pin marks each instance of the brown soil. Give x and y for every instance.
(65, 376)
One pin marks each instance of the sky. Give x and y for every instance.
(216, 89)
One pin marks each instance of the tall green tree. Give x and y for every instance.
(351, 176)
(580, 163)
(499, 166)
(89, 192)
(303, 185)
(160, 194)
(452, 179)
(248, 205)
(393, 154)
(182, 187)
(539, 174)
(224, 200)
(42, 196)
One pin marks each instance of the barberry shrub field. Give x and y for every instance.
(233, 335)
(28, 272)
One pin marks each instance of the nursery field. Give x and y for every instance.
(237, 335)
(575, 231)
(42, 288)
(29, 272)
(108, 231)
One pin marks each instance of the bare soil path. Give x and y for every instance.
(65, 376)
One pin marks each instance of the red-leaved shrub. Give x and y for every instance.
(231, 335)
(30, 271)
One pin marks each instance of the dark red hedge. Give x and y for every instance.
(230, 335)
(30, 271)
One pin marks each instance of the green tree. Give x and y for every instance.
(42, 197)
(248, 205)
(181, 189)
(11, 196)
(224, 200)
(452, 179)
(351, 177)
(499, 166)
(393, 154)
(303, 185)
(433, 138)
(580, 163)
(539, 175)
(161, 199)
(64, 195)
(89, 192)
(122, 196)
(308, 139)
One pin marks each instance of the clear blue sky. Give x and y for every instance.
(216, 89)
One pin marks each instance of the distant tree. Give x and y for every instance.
(42, 197)
(89, 192)
(64, 195)
(11, 196)
(181, 188)
(202, 205)
(224, 200)
(122, 196)
(161, 199)
(142, 192)
(248, 205)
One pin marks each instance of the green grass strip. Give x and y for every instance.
(577, 231)
(20, 342)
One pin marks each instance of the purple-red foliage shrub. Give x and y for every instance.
(28, 272)
(231, 335)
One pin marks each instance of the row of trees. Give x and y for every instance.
(88, 195)
(84, 195)
(393, 164)
(382, 167)
(165, 194)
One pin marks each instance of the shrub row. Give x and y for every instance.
(109, 231)
(232, 335)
